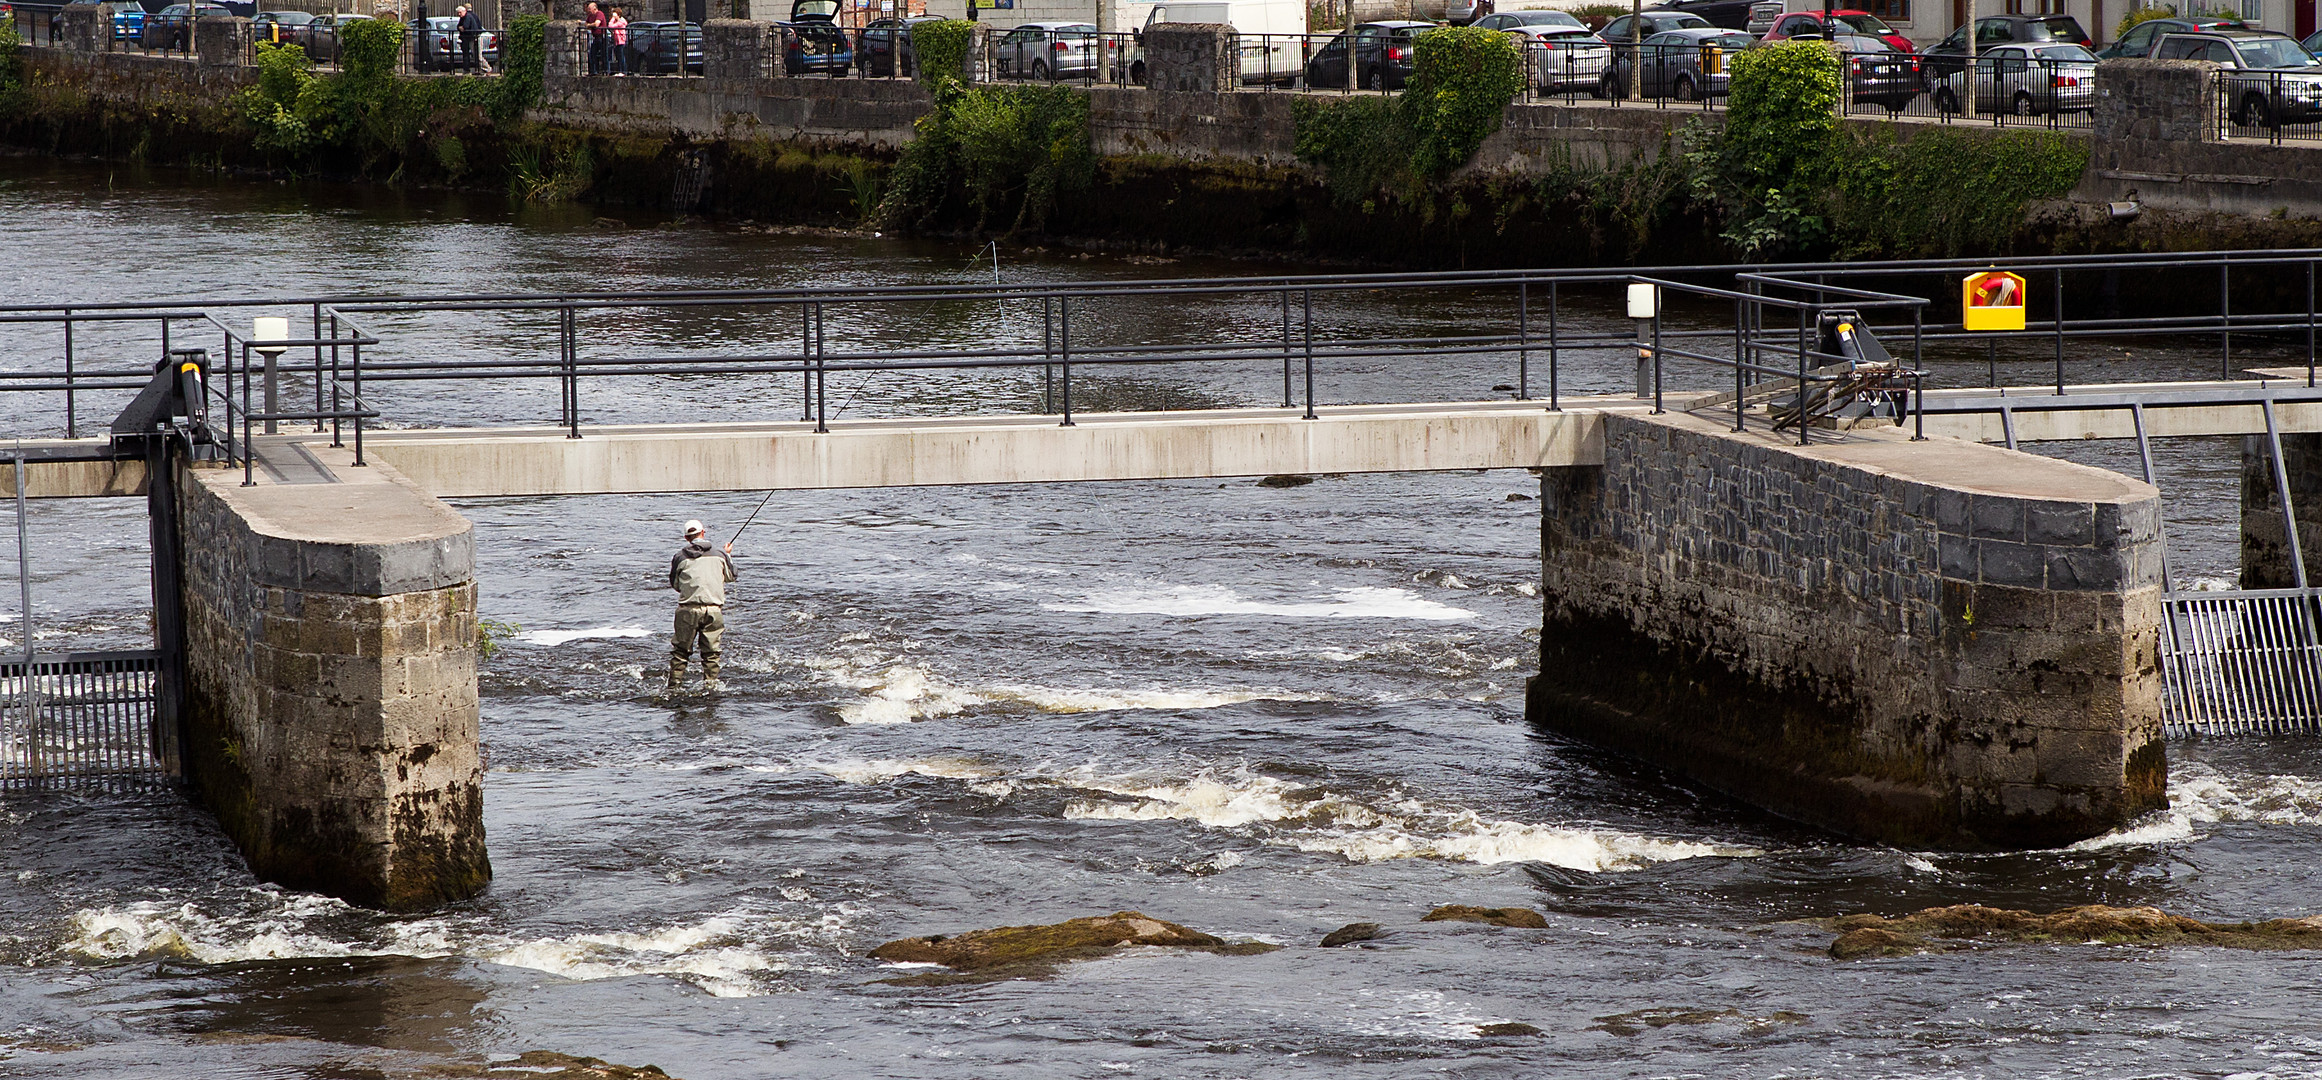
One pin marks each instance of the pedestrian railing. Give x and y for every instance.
(2269, 106)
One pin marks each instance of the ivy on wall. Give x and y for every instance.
(1007, 153)
(365, 120)
(1462, 80)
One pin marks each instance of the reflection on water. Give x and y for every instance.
(1262, 712)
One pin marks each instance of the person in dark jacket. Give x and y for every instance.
(472, 40)
(699, 573)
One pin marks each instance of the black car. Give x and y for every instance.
(659, 48)
(1728, 14)
(172, 26)
(1376, 56)
(883, 49)
(2138, 42)
(1949, 56)
(1655, 21)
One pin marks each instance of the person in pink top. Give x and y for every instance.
(618, 24)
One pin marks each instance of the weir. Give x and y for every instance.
(1873, 621)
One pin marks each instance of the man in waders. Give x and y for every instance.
(699, 574)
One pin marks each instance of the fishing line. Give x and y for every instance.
(753, 516)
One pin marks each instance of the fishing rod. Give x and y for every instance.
(753, 517)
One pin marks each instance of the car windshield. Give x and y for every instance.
(2064, 52)
(1868, 24)
(1856, 43)
(1564, 34)
(2051, 30)
(2275, 53)
(1544, 18)
(1680, 22)
(1728, 41)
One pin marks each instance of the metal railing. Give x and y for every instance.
(81, 719)
(2242, 662)
(640, 48)
(2269, 106)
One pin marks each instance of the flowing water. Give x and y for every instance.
(1262, 712)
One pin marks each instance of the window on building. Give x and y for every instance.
(1898, 11)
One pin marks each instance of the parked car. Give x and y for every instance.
(1730, 14)
(172, 26)
(2138, 42)
(323, 35)
(1687, 64)
(1048, 50)
(1561, 56)
(2313, 41)
(1510, 20)
(1651, 23)
(2027, 80)
(1950, 54)
(663, 48)
(884, 48)
(1808, 24)
(1375, 56)
(2273, 81)
(1878, 73)
(281, 27)
(815, 48)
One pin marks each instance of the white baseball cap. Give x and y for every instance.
(692, 529)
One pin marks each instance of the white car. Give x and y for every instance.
(1558, 50)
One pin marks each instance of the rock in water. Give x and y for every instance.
(1023, 950)
(1873, 935)
(1286, 480)
(1506, 1030)
(1522, 918)
(1351, 933)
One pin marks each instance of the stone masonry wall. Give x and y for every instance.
(2155, 141)
(331, 687)
(1966, 661)
(2265, 552)
(1192, 57)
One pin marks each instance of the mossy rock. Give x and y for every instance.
(1032, 951)
(1920, 931)
(1520, 918)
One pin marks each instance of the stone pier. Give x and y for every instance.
(1932, 645)
(2265, 551)
(330, 679)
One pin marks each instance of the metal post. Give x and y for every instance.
(1553, 404)
(337, 401)
(2059, 330)
(355, 360)
(2008, 426)
(1309, 301)
(1740, 367)
(805, 365)
(2225, 318)
(1523, 340)
(1991, 361)
(1047, 352)
(821, 378)
(2309, 322)
(1656, 358)
(73, 421)
(1064, 351)
(2168, 583)
(29, 704)
(2282, 486)
(1919, 380)
(1288, 394)
(249, 466)
(1803, 428)
(318, 400)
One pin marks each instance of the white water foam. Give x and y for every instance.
(1310, 818)
(727, 955)
(893, 690)
(1362, 602)
(2201, 795)
(551, 638)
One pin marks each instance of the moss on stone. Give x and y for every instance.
(1942, 927)
(1521, 918)
(1008, 952)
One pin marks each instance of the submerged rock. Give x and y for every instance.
(1503, 1030)
(1351, 933)
(2095, 924)
(1286, 480)
(1521, 918)
(546, 1065)
(1021, 951)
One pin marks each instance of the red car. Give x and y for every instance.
(1851, 21)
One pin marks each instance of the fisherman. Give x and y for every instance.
(700, 581)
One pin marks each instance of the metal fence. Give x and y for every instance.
(2243, 662)
(2269, 106)
(82, 718)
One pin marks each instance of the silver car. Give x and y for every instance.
(2024, 79)
(1048, 50)
(1561, 56)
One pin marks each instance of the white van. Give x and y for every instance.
(1270, 34)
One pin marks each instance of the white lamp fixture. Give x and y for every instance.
(269, 328)
(1644, 300)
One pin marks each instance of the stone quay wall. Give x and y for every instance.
(330, 678)
(1933, 645)
(2265, 549)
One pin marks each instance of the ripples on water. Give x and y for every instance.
(1261, 712)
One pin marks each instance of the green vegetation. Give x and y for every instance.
(940, 49)
(2169, 11)
(365, 120)
(490, 633)
(1462, 80)
(11, 65)
(1008, 153)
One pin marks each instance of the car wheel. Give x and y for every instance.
(1946, 101)
(2262, 111)
(2024, 105)
(1040, 71)
(1683, 91)
(1375, 80)
(1606, 88)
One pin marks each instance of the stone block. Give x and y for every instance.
(2071, 524)
(2084, 569)
(1192, 57)
(2001, 562)
(1996, 517)
(85, 28)
(737, 49)
(565, 43)
(222, 41)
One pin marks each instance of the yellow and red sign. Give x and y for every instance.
(1991, 300)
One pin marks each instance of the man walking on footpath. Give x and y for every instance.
(699, 574)
(471, 40)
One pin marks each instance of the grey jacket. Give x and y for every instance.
(699, 574)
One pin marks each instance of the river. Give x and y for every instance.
(1261, 712)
